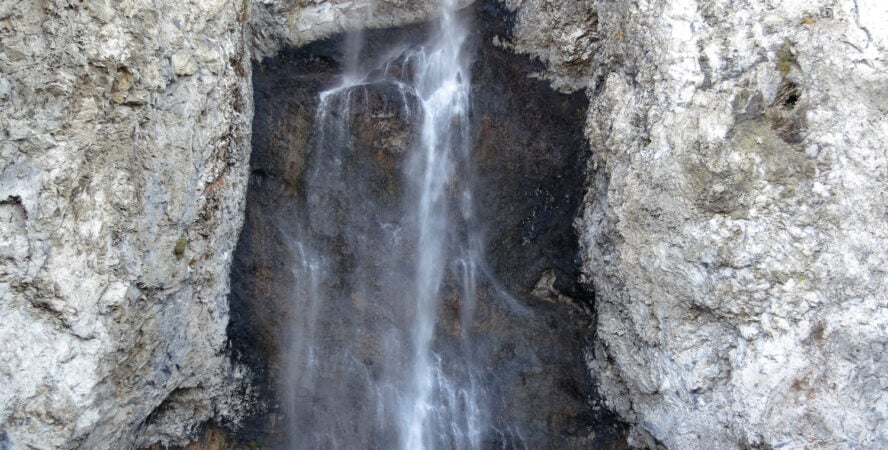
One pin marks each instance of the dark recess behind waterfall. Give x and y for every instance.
(529, 156)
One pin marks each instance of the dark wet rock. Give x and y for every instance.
(526, 175)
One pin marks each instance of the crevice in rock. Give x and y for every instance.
(786, 114)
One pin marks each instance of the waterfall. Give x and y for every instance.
(387, 240)
(442, 83)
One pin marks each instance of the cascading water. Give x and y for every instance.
(406, 276)
(378, 253)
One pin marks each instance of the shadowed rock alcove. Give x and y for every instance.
(532, 320)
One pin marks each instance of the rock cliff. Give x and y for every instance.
(123, 163)
(123, 168)
(734, 226)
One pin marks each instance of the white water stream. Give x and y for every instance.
(374, 378)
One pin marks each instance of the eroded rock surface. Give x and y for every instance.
(125, 134)
(735, 226)
(126, 130)
(561, 34)
(275, 24)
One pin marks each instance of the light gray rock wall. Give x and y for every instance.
(123, 161)
(278, 23)
(562, 34)
(736, 226)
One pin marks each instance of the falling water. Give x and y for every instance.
(442, 85)
(372, 262)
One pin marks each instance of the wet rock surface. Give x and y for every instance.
(527, 171)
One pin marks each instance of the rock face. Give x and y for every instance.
(562, 34)
(123, 164)
(340, 199)
(735, 225)
(275, 24)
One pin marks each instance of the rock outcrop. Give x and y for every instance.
(561, 34)
(123, 163)
(275, 24)
(735, 225)
(123, 168)
(328, 208)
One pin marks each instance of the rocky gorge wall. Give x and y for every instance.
(525, 174)
(123, 162)
(734, 227)
(123, 168)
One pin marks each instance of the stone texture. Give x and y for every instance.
(278, 23)
(341, 199)
(124, 160)
(561, 34)
(126, 130)
(122, 171)
(735, 225)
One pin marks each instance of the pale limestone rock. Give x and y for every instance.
(563, 34)
(123, 163)
(183, 63)
(106, 160)
(735, 226)
(278, 23)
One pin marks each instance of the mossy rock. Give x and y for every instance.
(179, 250)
